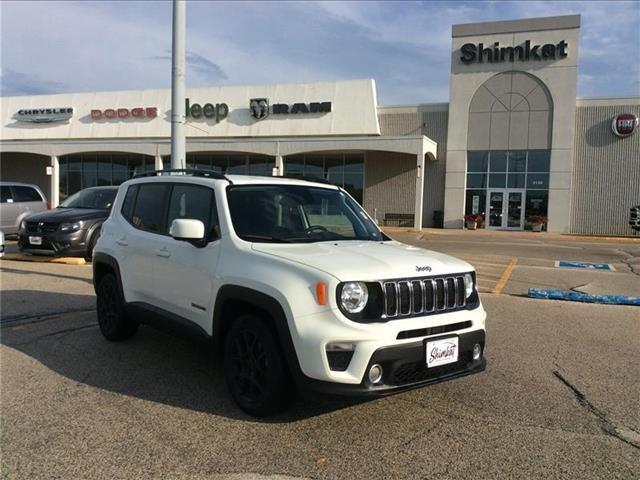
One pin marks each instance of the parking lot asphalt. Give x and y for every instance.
(560, 397)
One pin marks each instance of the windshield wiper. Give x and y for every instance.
(264, 238)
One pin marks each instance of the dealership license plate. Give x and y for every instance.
(441, 352)
(35, 240)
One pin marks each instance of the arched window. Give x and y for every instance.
(508, 151)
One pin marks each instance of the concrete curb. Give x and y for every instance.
(553, 294)
(18, 257)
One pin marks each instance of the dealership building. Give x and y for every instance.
(513, 145)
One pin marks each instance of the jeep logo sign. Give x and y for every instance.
(624, 124)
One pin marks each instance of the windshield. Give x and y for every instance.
(100, 198)
(297, 214)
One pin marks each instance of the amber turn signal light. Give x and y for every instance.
(321, 293)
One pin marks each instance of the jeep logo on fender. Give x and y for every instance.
(496, 54)
(624, 124)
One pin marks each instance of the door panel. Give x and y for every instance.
(495, 201)
(505, 209)
(185, 272)
(515, 210)
(143, 237)
(185, 276)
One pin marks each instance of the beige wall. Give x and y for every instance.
(606, 170)
(26, 168)
(431, 121)
(559, 76)
(390, 183)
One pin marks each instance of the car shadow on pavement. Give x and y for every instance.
(153, 366)
(46, 274)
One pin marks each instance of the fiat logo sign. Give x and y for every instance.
(624, 125)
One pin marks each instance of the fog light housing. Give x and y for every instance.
(375, 373)
(477, 351)
(339, 355)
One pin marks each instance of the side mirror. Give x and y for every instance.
(189, 230)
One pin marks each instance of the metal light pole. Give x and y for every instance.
(178, 155)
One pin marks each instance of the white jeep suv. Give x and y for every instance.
(291, 279)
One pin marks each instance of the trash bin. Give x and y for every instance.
(438, 219)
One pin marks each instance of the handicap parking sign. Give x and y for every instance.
(585, 265)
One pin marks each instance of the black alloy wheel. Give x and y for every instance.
(114, 323)
(254, 368)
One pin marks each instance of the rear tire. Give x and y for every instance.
(255, 369)
(114, 323)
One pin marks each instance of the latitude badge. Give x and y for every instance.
(259, 108)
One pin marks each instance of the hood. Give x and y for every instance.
(365, 260)
(68, 215)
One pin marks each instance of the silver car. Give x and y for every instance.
(17, 200)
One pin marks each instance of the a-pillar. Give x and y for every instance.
(417, 222)
(279, 166)
(55, 182)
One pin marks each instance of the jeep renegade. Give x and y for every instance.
(291, 279)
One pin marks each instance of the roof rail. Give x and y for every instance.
(296, 177)
(186, 171)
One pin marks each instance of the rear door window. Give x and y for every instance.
(22, 193)
(149, 209)
(127, 204)
(5, 194)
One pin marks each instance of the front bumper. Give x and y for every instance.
(404, 368)
(55, 244)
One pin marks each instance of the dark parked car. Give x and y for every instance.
(70, 230)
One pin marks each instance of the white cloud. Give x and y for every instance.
(405, 46)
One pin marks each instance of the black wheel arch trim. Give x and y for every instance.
(268, 304)
(100, 259)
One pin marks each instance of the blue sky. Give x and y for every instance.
(60, 47)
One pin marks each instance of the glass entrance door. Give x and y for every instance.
(505, 209)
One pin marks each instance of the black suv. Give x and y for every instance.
(70, 230)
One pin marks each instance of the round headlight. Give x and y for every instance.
(468, 285)
(354, 296)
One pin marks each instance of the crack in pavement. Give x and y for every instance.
(623, 433)
(627, 261)
(52, 334)
(15, 320)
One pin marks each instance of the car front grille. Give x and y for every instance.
(413, 372)
(42, 227)
(404, 298)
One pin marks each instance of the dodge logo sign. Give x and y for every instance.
(624, 125)
(259, 108)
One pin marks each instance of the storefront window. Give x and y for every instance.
(345, 170)
(227, 163)
(84, 170)
(508, 170)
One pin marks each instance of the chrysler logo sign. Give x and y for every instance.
(44, 115)
(624, 124)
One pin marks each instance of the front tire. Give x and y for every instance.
(254, 368)
(88, 255)
(114, 323)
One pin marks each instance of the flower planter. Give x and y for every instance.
(472, 225)
(537, 227)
